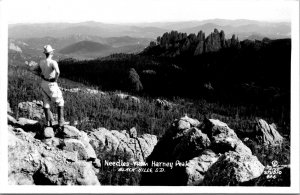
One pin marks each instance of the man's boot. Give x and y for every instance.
(60, 112)
(49, 117)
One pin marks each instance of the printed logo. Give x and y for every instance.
(272, 171)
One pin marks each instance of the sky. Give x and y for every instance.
(135, 11)
(113, 11)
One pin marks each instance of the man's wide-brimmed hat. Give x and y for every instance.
(48, 49)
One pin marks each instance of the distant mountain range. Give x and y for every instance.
(84, 28)
(274, 31)
(80, 46)
(242, 28)
(95, 39)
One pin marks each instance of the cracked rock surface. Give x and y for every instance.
(115, 142)
(31, 161)
(40, 155)
(212, 152)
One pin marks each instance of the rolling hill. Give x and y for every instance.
(88, 48)
(84, 28)
(242, 28)
(274, 31)
(124, 44)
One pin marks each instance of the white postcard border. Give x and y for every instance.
(295, 153)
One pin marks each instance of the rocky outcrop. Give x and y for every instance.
(128, 97)
(174, 43)
(216, 41)
(234, 42)
(200, 47)
(33, 161)
(222, 137)
(28, 125)
(208, 149)
(202, 153)
(213, 42)
(267, 134)
(114, 142)
(222, 39)
(164, 104)
(68, 156)
(198, 166)
(192, 143)
(83, 149)
(233, 168)
(14, 47)
(33, 110)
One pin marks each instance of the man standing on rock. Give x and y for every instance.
(49, 72)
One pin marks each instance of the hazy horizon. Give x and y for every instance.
(146, 11)
(154, 22)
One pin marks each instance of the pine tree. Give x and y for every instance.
(134, 81)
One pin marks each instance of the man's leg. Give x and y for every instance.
(49, 117)
(60, 112)
(56, 96)
(47, 111)
(60, 108)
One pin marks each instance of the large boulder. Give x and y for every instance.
(267, 134)
(70, 132)
(113, 142)
(233, 168)
(222, 137)
(84, 149)
(180, 126)
(198, 146)
(31, 162)
(181, 131)
(147, 143)
(28, 125)
(48, 132)
(24, 121)
(191, 144)
(102, 140)
(11, 120)
(198, 166)
(181, 143)
(33, 110)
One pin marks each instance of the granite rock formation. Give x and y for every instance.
(208, 149)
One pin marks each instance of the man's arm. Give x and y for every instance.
(56, 68)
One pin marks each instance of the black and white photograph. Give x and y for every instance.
(139, 95)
